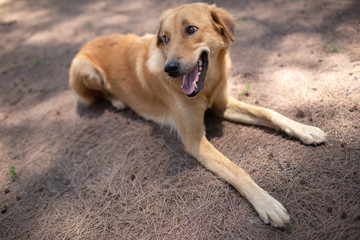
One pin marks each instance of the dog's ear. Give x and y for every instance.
(158, 38)
(164, 15)
(223, 22)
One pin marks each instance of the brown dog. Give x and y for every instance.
(172, 78)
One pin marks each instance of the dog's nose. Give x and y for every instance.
(172, 68)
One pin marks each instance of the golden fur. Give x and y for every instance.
(128, 70)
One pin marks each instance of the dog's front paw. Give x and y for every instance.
(271, 211)
(311, 135)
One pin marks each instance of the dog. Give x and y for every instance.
(172, 78)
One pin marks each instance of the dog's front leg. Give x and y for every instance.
(192, 131)
(237, 111)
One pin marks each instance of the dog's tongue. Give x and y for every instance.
(189, 80)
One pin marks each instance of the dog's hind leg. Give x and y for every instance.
(88, 81)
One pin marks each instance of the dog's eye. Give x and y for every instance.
(191, 29)
(166, 39)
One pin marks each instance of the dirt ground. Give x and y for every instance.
(97, 173)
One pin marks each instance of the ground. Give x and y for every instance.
(98, 173)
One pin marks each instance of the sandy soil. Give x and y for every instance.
(95, 173)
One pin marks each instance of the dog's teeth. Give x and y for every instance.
(199, 73)
(200, 68)
(195, 85)
(181, 86)
(200, 62)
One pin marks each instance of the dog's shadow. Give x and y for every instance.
(94, 110)
(214, 125)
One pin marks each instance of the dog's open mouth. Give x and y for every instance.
(193, 82)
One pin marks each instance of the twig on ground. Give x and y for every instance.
(281, 164)
(241, 155)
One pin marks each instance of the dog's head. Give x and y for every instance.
(190, 37)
